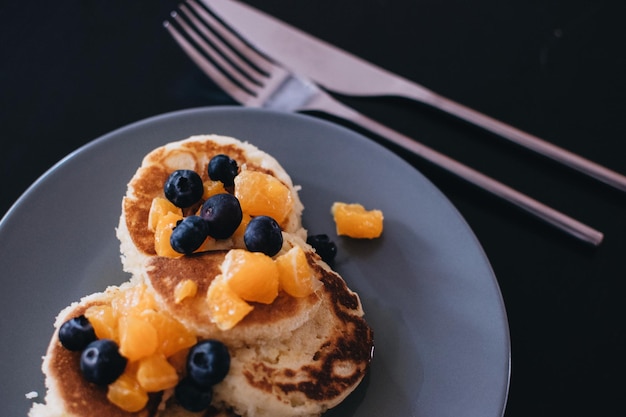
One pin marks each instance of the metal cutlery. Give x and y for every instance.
(341, 72)
(253, 80)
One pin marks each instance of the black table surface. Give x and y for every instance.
(71, 71)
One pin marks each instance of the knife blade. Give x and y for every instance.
(342, 72)
(326, 64)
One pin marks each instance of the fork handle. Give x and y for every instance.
(561, 221)
(410, 90)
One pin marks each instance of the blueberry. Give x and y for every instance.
(189, 234)
(222, 168)
(101, 362)
(263, 234)
(324, 247)
(75, 334)
(192, 397)
(208, 363)
(183, 188)
(223, 214)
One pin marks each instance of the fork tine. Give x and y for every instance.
(204, 64)
(223, 52)
(214, 48)
(262, 63)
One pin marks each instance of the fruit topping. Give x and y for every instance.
(185, 289)
(262, 194)
(253, 276)
(354, 221)
(208, 363)
(172, 336)
(103, 320)
(75, 334)
(189, 234)
(224, 169)
(295, 275)
(101, 362)
(213, 187)
(263, 234)
(159, 208)
(222, 213)
(183, 188)
(138, 338)
(191, 397)
(226, 308)
(155, 373)
(324, 247)
(127, 394)
(163, 234)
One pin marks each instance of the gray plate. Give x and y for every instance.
(441, 335)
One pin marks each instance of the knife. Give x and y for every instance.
(344, 73)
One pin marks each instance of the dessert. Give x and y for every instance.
(228, 311)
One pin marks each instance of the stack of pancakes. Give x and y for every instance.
(293, 357)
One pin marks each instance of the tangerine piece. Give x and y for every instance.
(295, 274)
(185, 289)
(253, 276)
(172, 336)
(138, 338)
(162, 235)
(127, 394)
(136, 298)
(226, 308)
(238, 235)
(354, 221)
(262, 194)
(213, 187)
(159, 208)
(155, 373)
(104, 321)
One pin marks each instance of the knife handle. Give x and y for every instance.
(553, 217)
(421, 94)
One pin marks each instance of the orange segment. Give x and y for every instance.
(262, 194)
(155, 373)
(138, 338)
(238, 235)
(354, 221)
(295, 275)
(136, 298)
(208, 245)
(226, 308)
(159, 208)
(127, 394)
(172, 336)
(103, 320)
(162, 234)
(185, 289)
(253, 276)
(212, 188)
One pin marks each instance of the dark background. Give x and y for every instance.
(71, 71)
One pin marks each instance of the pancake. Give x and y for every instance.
(312, 369)
(195, 152)
(295, 356)
(68, 394)
(302, 372)
(162, 274)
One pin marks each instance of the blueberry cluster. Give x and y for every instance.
(220, 215)
(101, 363)
(208, 363)
(100, 360)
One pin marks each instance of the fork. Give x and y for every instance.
(253, 80)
